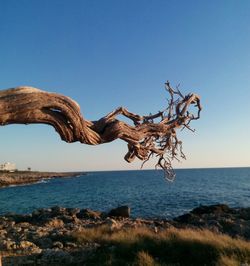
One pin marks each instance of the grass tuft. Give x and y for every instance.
(144, 259)
(142, 246)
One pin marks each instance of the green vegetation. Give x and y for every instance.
(144, 247)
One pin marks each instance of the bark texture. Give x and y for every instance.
(154, 134)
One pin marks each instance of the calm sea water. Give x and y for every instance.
(146, 191)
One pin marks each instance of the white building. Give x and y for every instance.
(7, 167)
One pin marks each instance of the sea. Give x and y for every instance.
(146, 192)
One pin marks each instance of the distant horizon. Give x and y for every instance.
(147, 169)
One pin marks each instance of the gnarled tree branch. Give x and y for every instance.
(145, 138)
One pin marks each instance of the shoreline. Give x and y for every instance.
(29, 177)
(53, 233)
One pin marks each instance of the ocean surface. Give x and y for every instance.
(145, 191)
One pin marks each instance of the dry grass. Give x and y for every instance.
(143, 246)
(144, 259)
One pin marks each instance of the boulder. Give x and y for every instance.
(186, 218)
(122, 211)
(215, 209)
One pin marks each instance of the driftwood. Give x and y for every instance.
(146, 135)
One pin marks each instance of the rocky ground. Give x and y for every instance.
(45, 237)
(27, 177)
(218, 218)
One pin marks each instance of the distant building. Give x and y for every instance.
(7, 167)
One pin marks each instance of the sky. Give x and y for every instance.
(106, 54)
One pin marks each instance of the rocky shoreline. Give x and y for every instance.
(45, 237)
(29, 177)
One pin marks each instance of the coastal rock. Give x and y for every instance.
(41, 215)
(28, 246)
(55, 257)
(3, 233)
(44, 242)
(56, 223)
(23, 225)
(218, 218)
(20, 218)
(122, 211)
(28, 177)
(71, 245)
(186, 218)
(8, 245)
(216, 209)
(113, 224)
(244, 213)
(58, 244)
(57, 210)
(49, 237)
(88, 214)
(73, 211)
(240, 228)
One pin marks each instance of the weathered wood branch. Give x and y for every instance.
(145, 138)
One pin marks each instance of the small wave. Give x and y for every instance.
(20, 185)
(78, 175)
(13, 186)
(43, 181)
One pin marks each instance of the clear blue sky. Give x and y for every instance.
(106, 54)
